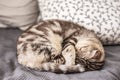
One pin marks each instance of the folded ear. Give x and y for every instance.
(97, 54)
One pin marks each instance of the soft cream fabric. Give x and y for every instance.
(18, 13)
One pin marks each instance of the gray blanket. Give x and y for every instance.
(11, 70)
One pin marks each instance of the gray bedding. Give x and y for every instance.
(11, 70)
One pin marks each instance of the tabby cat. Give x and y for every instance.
(60, 46)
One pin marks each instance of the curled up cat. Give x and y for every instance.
(60, 46)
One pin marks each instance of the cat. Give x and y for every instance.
(60, 46)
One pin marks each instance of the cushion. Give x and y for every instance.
(18, 13)
(102, 16)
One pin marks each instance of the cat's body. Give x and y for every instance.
(60, 46)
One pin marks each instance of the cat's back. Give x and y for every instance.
(55, 23)
(55, 26)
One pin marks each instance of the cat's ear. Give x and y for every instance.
(97, 54)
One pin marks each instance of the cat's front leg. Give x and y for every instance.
(69, 54)
(56, 48)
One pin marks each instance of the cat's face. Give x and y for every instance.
(88, 50)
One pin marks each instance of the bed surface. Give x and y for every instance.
(11, 70)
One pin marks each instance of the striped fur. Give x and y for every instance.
(60, 46)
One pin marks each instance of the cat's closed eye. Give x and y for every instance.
(83, 49)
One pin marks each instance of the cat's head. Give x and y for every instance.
(90, 50)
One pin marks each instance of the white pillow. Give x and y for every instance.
(102, 16)
(18, 13)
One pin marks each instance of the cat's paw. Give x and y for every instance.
(54, 53)
(59, 60)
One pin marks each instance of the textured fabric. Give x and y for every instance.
(102, 16)
(20, 13)
(11, 70)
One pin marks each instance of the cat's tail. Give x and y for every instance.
(62, 68)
